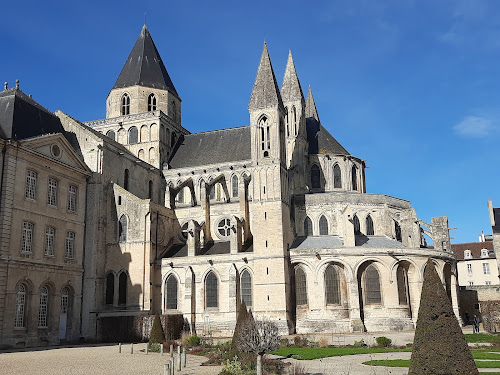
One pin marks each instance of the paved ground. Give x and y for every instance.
(95, 360)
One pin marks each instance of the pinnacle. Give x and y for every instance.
(290, 88)
(265, 91)
(311, 111)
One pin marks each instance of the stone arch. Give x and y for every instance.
(171, 303)
(211, 297)
(133, 135)
(320, 269)
(140, 154)
(307, 227)
(153, 132)
(122, 136)
(144, 133)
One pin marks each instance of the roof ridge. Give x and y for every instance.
(218, 130)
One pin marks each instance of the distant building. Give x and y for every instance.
(476, 263)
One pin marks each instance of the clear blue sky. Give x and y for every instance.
(413, 87)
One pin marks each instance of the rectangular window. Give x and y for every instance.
(469, 269)
(27, 242)
(52, 193)
(488, 282)
(70, 245)
(50, 234)
(471, 283)
(30, 192)
(72, 198)
(486, 268)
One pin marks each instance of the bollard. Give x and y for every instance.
(161, 349)
(172, 370)
(147, 348)
(166, 370)
(179, 358)
(119, 347)
(132, 348)
(171, 350)
(185, 357)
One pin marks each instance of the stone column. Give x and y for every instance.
(235, 237)
(354, 308)
(205, 205)
(193, 240)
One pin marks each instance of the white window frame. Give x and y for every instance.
(69, 249)
(469, 268)
(484, 253)
(486, 268)
(52, 192)
(487, 282)
(467, 254)
(72, 193)
(27, 239)
(31, 178)
(50, 239)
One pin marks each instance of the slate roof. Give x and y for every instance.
(213, 147)
(145, 67)
(332, 242)
(215, 248)
(475, 248)
(265, 92)
(21, 117)
(290, 88)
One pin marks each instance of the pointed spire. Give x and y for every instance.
(265, 91)
(144, 66)
(290, 88)
(311, 111)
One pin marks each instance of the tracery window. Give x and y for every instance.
(133, 135)
(308, 229)
(110, 288)
(246, 288)
(372, 285)
(31, 178)
(50, 234)
(315, 177)
(234, 183)
(323, 226)
(337, 177)
(211, 290)
(43, 307)
(369, 226)
(224, 227)
(20, 306)
(122, 288)
(332, 285)
(265, 136)
(70, 245)
(300, 287)
(171, 287)
(355, 223)
(151, 102)
(125, 108)
(111, 134)
(354, 176)
(122, 228)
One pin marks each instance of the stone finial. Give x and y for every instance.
(17, 84)
(5, 85)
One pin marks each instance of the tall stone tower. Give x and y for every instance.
(295, 127)
(270, 210)
(143, 109)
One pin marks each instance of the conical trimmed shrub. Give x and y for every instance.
(156, 336)
(439, 346)
(242, 316)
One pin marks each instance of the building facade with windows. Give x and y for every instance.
(476, 263)
(275, 213)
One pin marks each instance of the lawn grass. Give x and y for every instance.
(315, 353)
(483, 337)
(406, 363)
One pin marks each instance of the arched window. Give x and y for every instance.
(308, 227)
(300, 287)
(369, 226)
(20, 306)
(355, 223)
(323, 226)
(150, 190)
(234, 183)
(372, 285)
(111, 134)
(212, 192)
(315, 177)
(294, 118)
(152, 154)
(265, 136)
(43, 308)
(354, 176)
(122, 228)
(332, 285)
(397, 230)
(133, 135)
(145, 133)
(402, 278)
(337, 177)
(180, 196)
(246, 288)
(173, 139)
(287, 123)
(122, 288)
(110, 288)
(211, 290)
(125, 179)
(171, 286)
(64, 300)
(140, 154)
(125, 109)
(151, 102)
(224, 227)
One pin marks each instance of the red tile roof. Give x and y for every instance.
(475, 249)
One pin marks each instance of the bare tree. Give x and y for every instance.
(258, 337)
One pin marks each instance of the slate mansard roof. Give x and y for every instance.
(21, 117)
(213, 147)
(145, 67)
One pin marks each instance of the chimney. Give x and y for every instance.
(6, 85)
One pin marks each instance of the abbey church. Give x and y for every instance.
(134, 215)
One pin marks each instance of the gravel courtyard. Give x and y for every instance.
(94, 360)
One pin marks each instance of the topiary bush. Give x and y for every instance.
(242, 316)
(193, 341)
(156, 336)
(383, 341)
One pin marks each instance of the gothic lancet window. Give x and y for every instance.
(323, 226)
(246, 288)
(308, 227)
(354, 176)
(122, 288)
(234, 183)
(355, 223)
(337, 177)
(122, 228)
(397, 230)
(125, 105)
(300, 287)
(315, 177)
(211, 290)
(287, 123)
(372, 285)
(332, 285)
(265, 136)
(171, 287)
(151, 102)
(402, 278)
(369, 226)
(294, 118)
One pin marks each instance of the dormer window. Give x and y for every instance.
(151, 102)
(467, 254)
(484, 253)
(125, 108)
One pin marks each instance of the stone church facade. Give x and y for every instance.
(275, 214)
